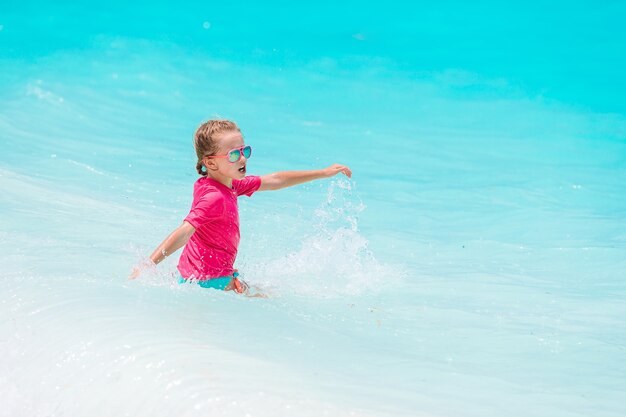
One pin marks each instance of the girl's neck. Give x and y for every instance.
(222, 179)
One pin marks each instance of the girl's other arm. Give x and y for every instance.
(177, 239)
(285, 179)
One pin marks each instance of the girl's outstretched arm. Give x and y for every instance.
(176, 240)
(284, 179)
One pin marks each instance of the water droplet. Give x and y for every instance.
(206, 25)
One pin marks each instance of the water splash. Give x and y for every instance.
(335, 260)
(341, 208)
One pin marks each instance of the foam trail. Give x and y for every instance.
(86, 166)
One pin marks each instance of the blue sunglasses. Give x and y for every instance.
(235, 155)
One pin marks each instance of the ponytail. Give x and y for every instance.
(201, 169)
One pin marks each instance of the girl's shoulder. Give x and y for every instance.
(247, 186)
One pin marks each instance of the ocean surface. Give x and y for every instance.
(474, 265)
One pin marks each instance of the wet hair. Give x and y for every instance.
(204, 141)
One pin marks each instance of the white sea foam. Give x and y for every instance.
(42, 94)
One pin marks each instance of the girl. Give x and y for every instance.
(210, 232)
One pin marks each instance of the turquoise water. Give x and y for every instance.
(473, 266)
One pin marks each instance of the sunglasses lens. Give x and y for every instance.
(234, 155)
(247, 151)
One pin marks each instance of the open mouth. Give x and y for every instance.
(242, 169)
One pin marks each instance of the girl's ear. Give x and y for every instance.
(209, 163)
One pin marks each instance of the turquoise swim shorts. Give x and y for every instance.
(216, 283)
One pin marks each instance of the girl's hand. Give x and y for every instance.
(335, 169)
(137, 270)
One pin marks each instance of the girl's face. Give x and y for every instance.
(221, 166)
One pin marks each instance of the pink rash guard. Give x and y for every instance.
(212, 249)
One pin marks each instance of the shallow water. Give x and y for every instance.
(473, 266)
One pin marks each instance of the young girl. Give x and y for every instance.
(210, 232)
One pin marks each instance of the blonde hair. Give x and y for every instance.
(204, 140)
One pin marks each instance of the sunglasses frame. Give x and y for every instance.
(241, 151)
